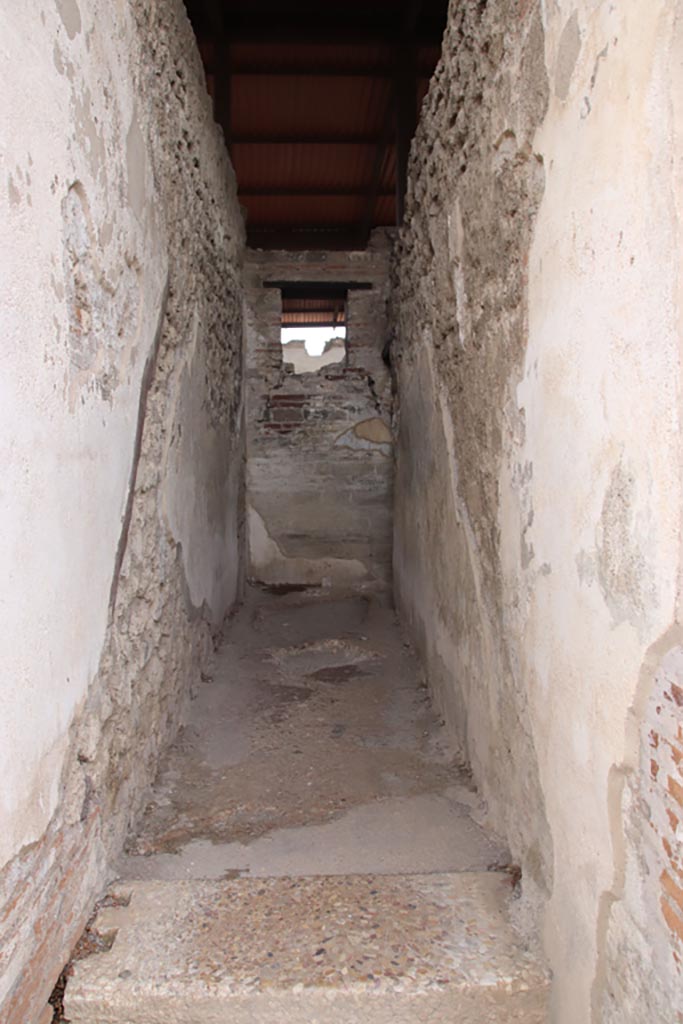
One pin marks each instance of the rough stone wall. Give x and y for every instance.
(319, 465)
(120, 515)
(538, 485)
(476, 182)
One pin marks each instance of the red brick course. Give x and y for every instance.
(55, 883)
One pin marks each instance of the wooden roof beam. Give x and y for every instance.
(375, 190)
(321, 32)
(302, 139)
(316, 289)
(310, 192)
(252, 70)
(222, 104)
(405, 88)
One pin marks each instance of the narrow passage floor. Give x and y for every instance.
(311, 845)
(313, 750)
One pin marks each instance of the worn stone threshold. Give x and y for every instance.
(370, 948)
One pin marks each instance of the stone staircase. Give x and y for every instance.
(256, 934)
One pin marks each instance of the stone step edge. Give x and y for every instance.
(455, 915)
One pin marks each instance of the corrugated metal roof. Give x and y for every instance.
(307, 94)
(293, 104)
(302, 166)
(313, 311)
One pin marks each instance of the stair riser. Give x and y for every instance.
(317, 1008)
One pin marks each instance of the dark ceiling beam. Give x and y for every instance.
(314, 289)
(240, 70)
(366, 221)
(337, 10)
(320, 32)
(213, 13)
(394, 122)
(405, 88)
(293, 191)
(302, 139)
(222, 105)
(406, 122)
(288, 237)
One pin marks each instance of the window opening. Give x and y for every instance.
(313, 328)
(309, 349)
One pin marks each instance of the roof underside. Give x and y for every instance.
(322, 311)
(315, 303)
(318, 103)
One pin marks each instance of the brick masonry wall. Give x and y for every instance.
(642, 975)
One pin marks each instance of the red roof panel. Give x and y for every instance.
(311, 121)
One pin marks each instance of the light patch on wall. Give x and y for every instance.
(309, 349)
(369, 435)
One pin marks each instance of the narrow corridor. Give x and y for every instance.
(311, 751)
(224, 802)
(313, 799)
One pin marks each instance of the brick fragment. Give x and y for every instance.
(674, 921)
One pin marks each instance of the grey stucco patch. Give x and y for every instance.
(567, 56)
(136, 165)
(621, 563)
(13, 191)
(70, 14)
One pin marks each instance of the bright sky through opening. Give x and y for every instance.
(313, 337)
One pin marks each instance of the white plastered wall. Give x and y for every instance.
(600, 401)
(67, 420)
(543, 603)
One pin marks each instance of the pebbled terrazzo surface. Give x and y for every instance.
(237, 947)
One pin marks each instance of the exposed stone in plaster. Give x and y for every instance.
(104, 309)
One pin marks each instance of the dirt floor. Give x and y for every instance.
(309, 823)
(313, 749)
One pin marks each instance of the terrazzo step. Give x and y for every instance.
(353, 949)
